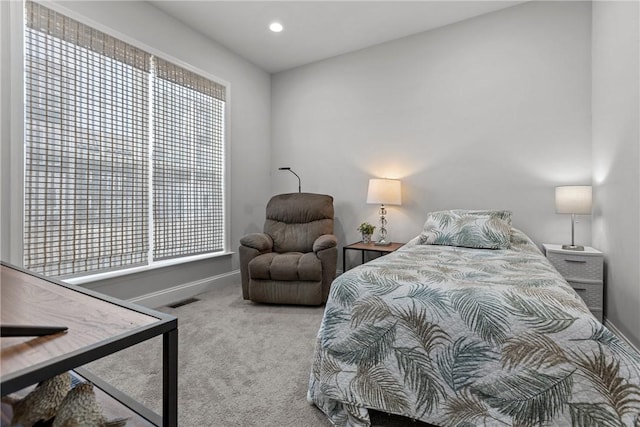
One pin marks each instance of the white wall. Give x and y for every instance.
(11, 166)
(5, 106)
(492, 112)
(616, 158)
(249, 129)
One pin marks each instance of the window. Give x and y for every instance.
(113, 134)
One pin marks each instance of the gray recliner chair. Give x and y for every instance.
(294, 260)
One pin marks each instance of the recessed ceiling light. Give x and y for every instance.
(276, 27)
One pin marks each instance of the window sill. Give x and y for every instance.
(158, 264)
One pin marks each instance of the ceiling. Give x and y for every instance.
(316, 30)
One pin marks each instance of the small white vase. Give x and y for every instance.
(366, 238)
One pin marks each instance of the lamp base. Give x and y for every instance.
(573, 247)
(382, 243)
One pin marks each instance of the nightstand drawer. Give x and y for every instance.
(591, 294)
(576, 267)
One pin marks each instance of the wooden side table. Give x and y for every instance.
(368, 247)
(98, 325)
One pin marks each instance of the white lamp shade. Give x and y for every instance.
(384, 192)
(573, 199)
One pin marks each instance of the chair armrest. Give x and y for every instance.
(258, 241)
(325, 241)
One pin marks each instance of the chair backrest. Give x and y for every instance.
(294, 221)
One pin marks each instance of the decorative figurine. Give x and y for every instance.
(42, 403)
(81, 409)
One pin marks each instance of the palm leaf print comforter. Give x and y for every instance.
(464, 337)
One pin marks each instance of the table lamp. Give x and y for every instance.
(384, 192)
(574, 200)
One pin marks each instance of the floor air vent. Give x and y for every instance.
(183, 302)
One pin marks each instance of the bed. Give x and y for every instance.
(465, 336)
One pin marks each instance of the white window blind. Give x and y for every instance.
(188, 162)
(96, 108)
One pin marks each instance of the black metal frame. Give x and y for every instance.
(167, 326)
(344, 253)
(121, 397)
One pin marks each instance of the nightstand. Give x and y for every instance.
(368, 247)
(584, 272)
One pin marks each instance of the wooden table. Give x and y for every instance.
(368, 247)
(98, 326)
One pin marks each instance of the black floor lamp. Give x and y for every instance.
(299, 182)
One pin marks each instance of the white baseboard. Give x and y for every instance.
(619, 334)
(186, 290)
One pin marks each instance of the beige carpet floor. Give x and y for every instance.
(240, 364)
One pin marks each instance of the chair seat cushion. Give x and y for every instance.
(286, 266)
